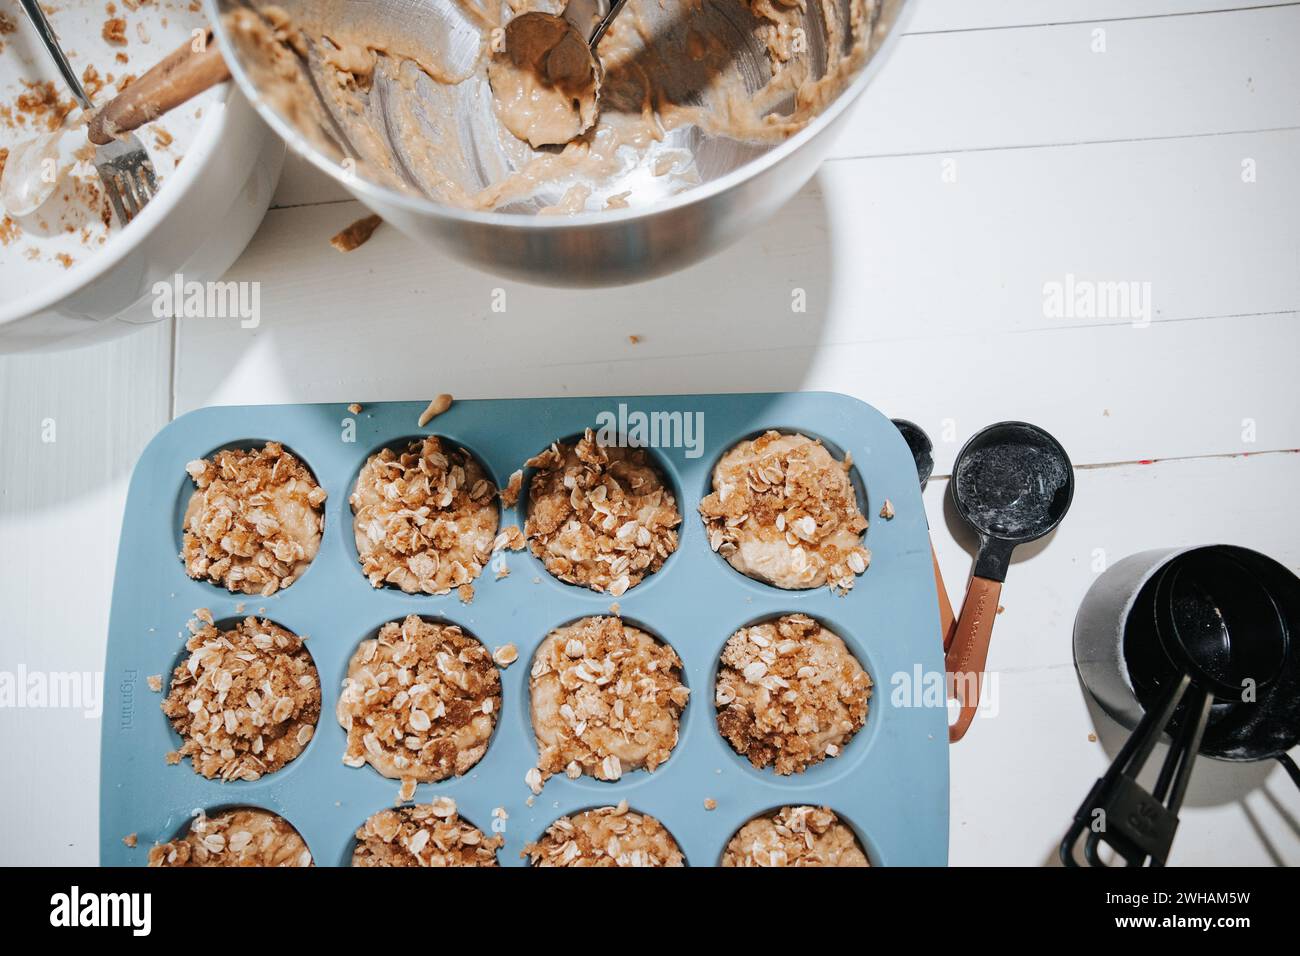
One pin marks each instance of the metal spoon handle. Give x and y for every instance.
(605, 21)
(34, 13)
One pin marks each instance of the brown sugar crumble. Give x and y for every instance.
(789, 693)
(600, 517)
(419, 702)
(242, 837)
(887, 510)
(246, 700)
(783, 511)
(155, 682)
(430, 834)
(425, 518)
(795, 836)
(254, 521)
(114, 31)
(607, 836)
(131, 839)
(606, 698)
(356, 235)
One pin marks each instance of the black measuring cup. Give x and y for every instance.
(1218, 626)
(922, 449)
(1013, 483)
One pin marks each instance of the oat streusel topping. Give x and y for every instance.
(430, 834)
(254, 522)
(425, 517)
(245, 701)
(789, 693)
(242, 837)
(783, 511)
(795, 836)
(600, 517)
(608, 836)
(419, 702)
(606, 699)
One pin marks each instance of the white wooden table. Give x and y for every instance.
(1008, 144)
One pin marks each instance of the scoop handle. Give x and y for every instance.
(947, 620)
(180, 76)
(965, 660)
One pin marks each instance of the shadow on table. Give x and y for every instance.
(397, 321)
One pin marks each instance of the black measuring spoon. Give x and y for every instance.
(922, 449)
(1226, 637)
(1013, 483)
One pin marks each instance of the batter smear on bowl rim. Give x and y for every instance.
(783, 511)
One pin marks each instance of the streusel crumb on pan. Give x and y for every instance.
(783, 511)
(419, 701)
(601, 517)
(789, 693)
(242, 837)
(425, 517)
(795, 836)
(245, 701)
(430, 834)
(254, 521)
(606, 699)
(608, 836)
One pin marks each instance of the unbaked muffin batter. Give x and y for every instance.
(795, 836)
(419, 702)
(608, 836)
(606, 699)
(425, 517)
(430, 834)
(784, 511)
(602, 517)
(790, 693)
(245, 701)
(243, 837)
(254, 521)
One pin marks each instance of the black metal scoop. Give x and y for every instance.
(1219, 626)
(922, 449)
(1012, 483)
(919, 444)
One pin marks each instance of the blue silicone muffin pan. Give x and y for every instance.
(890, 783)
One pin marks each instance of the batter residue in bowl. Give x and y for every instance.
(682, 79)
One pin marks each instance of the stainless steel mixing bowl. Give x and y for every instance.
(671, 221)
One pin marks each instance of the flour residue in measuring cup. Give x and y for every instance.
(1011, 487)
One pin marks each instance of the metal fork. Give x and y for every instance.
(123, 165)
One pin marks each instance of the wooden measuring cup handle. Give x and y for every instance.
(965, 660)
(947, 619)
(182, 75)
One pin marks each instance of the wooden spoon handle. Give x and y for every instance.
(970, 650)
(947, 620)
(180, 76)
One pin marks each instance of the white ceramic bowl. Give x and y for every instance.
(203, 216)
